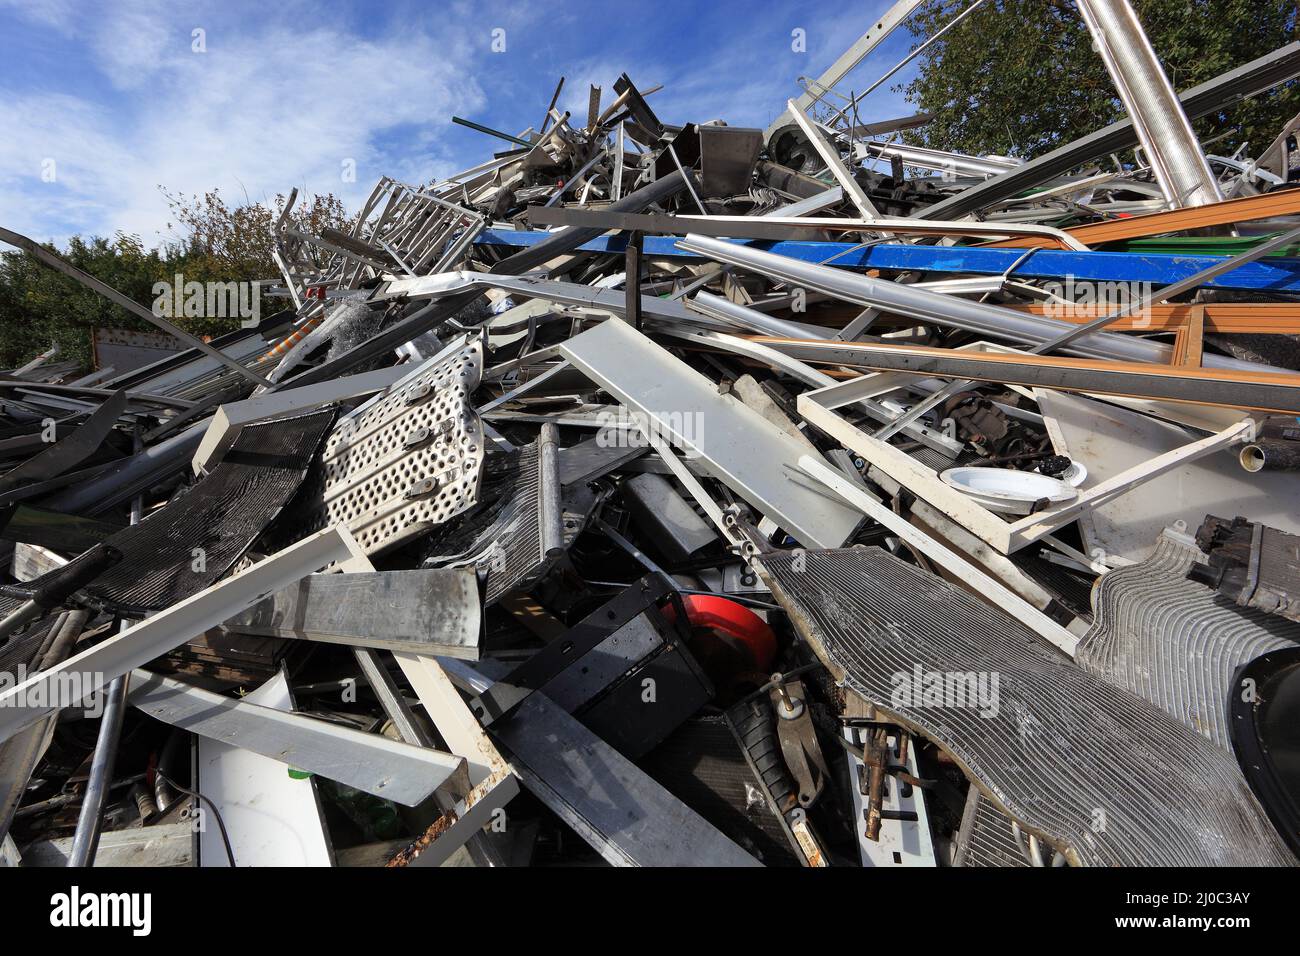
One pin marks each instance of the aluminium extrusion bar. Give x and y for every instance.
(718, 307)
(88, 672)
(424, 611)
(823, 200)
(780, 225)
(938, 159)
(1162, 127)
(883, 26)
(372, 763)
(926, 306)
(1285, 202)
(831, 157)
(1274, 392)
(736, 443)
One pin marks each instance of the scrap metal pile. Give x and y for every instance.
(662, 492)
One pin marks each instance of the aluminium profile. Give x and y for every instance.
(926, 306)
(882, 27)
(938, 159)
(371, 763)
(831, 157)
(1162, 127)
(1262, 391)
(736, 443)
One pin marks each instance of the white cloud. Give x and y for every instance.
(257, 114)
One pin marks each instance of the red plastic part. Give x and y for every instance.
(734, 620)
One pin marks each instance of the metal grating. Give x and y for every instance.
(505, 538)
(1103, 775)
(410, 460)
(1175, 642)
(202, 533)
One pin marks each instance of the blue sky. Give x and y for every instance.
(103, 102)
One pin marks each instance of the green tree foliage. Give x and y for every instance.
(212, 241)
(1019, 77)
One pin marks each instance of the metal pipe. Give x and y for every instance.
(90, 820)
(717, 307)
(133, 475)
(1162, 126)
(551, 513)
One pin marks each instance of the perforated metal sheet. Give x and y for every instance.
(410, 460)
(1103, 775)
(1175, 642)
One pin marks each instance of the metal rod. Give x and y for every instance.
(90, 820)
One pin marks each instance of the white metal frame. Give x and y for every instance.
(819, 408)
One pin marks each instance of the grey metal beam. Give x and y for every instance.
(952, 311)
(434, 611)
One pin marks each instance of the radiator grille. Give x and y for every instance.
(1105, 776)
(1175, 642)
